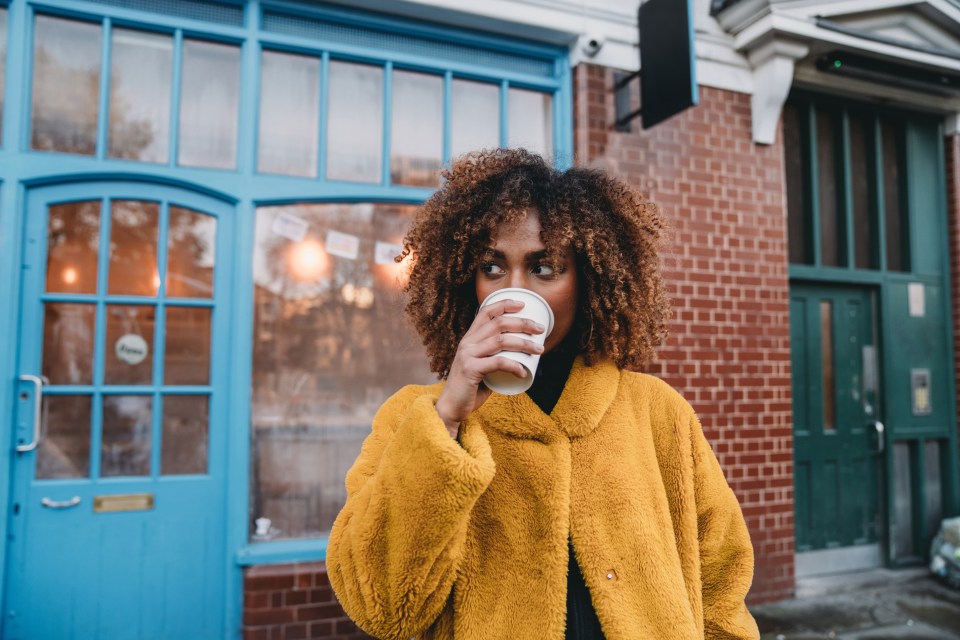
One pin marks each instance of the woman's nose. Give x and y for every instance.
(517, 279)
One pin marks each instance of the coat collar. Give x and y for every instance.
(587, 395)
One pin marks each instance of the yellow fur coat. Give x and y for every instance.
(439, 540)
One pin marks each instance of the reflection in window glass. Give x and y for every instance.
(797, 185)
(331, 343)
(896, 230)
(125, 447)
(861, 191)
(191, 253)
(831, 233)
(129, 350)
(64, 450)
(184, 436)
(3, 60)
(530, 121)
(355, 122)
(66, 81)
(141, 67)
(826, 364)
(73, 236)
(187, 357)
(209, 103)
(475, 117)
(289, 114)
(416, 140)
(133, 248)
(68, 342)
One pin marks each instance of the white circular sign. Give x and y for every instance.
(131, 349)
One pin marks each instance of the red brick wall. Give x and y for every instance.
(292, 602)
(729, 348)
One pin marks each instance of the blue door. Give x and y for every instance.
(120, 436)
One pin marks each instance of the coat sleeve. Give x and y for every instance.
(395, 547)
(726, 555)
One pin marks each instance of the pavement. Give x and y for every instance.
(882, 604)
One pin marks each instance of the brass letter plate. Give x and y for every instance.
(123, 502)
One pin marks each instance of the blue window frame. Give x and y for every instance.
(329, 35)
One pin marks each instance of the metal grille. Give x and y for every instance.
(346, 34)
(218, 12)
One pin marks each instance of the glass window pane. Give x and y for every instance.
(187, 358)
(133, 248)
(64, 450)
(475, 117)
(830, 230)
(933, 484)
(3, 60)
(903, 508)
(862, 188)
(129, 348)
(191, 254)
(66, 85)
(141, 73)
(897, 232)
(530, 121)
(289, 114)
(826, 364)
(209, 102)
(68, 332)
(331, 342)
(416, 140)
(185, 428)
(355, 122)
(794, 147)
(125, 448)
(73, 238)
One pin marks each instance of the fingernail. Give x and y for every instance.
(537, 325)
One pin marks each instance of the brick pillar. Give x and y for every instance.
(729, 348)
(293, 602)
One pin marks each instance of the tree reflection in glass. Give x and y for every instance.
(191, 253)
(66, 85)
(73, 239)
(530, 118)
(125, 446)
(331, 342)
(141, 71)
(417, 131)
(133, 248)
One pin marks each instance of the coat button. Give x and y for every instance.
(609, 576)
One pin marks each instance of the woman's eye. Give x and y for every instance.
(491, 269)
(543, 270)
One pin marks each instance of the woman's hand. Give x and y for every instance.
(477, 356)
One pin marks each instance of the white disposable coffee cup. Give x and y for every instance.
(534, 308)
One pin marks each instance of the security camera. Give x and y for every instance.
(592, 44)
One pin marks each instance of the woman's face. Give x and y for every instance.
(517, 257)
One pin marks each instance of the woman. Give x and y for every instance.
(590, 506)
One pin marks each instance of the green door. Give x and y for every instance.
(836, 445)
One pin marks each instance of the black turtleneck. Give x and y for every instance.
(552, 374)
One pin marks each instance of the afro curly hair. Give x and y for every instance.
(616, 235)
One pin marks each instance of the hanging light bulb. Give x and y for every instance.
(307, 260)
(70, 275)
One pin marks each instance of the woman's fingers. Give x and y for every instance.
(503, 342)
(491, 321)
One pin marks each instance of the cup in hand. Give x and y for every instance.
(534, 308)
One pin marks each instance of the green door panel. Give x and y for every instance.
(835, 448)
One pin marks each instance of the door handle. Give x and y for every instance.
(64, 504)
(37, 400)
(881, 440)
